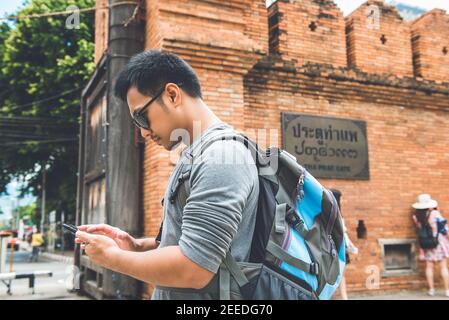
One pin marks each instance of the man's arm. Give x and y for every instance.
(167, 266)
(146, 244)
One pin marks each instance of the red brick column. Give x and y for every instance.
(101, 28)
(308, 31)
(379, 40)
(430, 39)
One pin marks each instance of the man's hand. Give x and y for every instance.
(167, 266)
(99, 248)
(123, 239)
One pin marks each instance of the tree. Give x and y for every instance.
(45, 66)
(27, 212)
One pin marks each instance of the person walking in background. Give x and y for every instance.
(432, 237)
(350, 247)
(37, 240)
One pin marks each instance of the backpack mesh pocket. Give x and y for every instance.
(272, 285)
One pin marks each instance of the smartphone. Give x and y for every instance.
(71, 228)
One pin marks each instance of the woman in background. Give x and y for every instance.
(428, 215)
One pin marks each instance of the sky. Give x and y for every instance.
(7, 203)
(9, 6)
(347, 6)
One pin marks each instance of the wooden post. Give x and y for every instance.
(126, 38)
(119, 159)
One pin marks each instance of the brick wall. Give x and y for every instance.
(252, 68)
(406, 143)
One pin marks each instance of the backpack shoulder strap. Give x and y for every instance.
(221, 137)
(229, 266)
(182, 191)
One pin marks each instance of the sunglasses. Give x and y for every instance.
(139, 116)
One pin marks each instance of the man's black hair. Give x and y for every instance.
(149, 71)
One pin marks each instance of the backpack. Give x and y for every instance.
(425, 237)
(441, 225)
(298, 250)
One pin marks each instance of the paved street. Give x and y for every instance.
(45, 288)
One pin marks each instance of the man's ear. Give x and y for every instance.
(175, 96)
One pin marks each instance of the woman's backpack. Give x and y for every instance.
(441, 225)
(426, 238)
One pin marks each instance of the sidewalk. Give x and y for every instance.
(46, 288)
(400, 295)
(61, 256)
(66, 257)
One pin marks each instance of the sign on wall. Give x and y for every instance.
(327, 147)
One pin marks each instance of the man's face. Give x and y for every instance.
(163, 118)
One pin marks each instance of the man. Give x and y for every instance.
(164, 96)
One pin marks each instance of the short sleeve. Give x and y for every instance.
(219, 189)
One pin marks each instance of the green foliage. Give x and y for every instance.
(41, 58)
(28, 211)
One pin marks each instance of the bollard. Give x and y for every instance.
(30, 276)
(4, 238)
(11, 256)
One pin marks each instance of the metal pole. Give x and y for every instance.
(11, 256)
(16, 206)
(62, 232)
(43, 199)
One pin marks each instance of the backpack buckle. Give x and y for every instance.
(314, 269)
(293, 220)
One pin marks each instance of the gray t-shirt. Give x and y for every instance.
(219, 212)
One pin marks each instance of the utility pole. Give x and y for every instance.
(43, 199)
(62, 232)
(16, 208)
